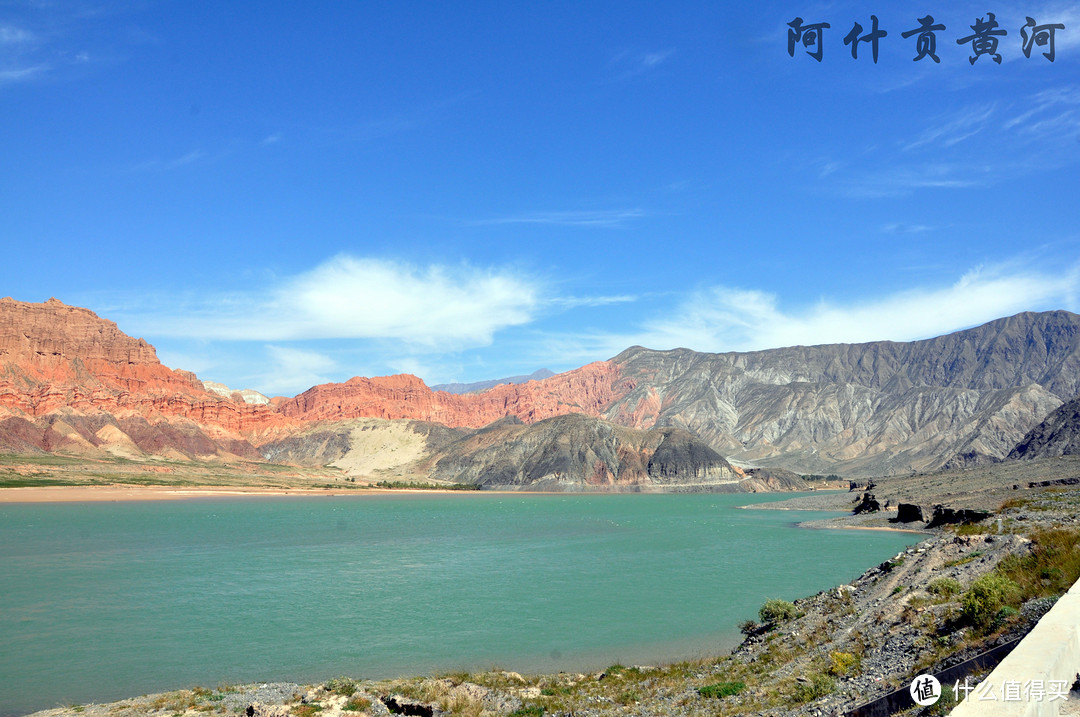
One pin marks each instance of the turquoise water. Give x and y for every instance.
(102, 601)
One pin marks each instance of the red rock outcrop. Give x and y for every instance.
(588, 390)
(56, 356)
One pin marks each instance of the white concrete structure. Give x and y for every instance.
(1034, 679)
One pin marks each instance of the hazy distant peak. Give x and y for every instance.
(485, 385)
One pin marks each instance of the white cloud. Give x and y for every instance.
(730, 319)
(291, 371)
(353, 298)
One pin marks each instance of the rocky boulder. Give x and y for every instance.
(908, 513)
(954, 516)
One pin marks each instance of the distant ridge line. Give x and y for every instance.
(476, 386)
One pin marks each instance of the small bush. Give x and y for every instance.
(722, 689)
(986, 596)
(341, 686)
(1003, 616)
(776, 610)
(358, 704)
(944, 704)
(748, 627)
(816, 687)
(528, 711)
(898, 589)
(946, 587)
(842, 664)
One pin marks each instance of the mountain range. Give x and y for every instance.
(73, 382)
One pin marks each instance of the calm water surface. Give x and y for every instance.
(105, 601)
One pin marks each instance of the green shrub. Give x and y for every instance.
(946, 587)
(988, 594)
(1003, 616)
(528, 711)
(1050, 568)
(341, 686)
(776, 610)
(748, 627)
(722, 689)
(944, 704)
(817, 686)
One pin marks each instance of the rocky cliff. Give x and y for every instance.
(856, 409)
(584, 390)
(576, 452)
(1058, 435)
(70, 380)
(860, 409)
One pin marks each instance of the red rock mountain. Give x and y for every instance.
(69, 378)
(588, 390)
(65, 363)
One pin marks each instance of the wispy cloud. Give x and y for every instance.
(955, 129)
(901, 228)
(633, 64)
(570, 302)
(272, 139)
(1051, 114)
(11, 35)
(902, 180)
(440, 307)
(588, 218)
(21, 74)
(159, 165)
(189, 158)
(724, 318)
(652, 59)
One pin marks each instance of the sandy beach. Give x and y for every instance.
(81, 494)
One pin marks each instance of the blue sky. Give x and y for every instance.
(283, 194)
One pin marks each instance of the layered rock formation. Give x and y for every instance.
(586, 390)
(577, 452)
(1058, 435)
(70, 380)
(861, 409)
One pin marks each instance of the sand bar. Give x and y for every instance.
(100, 493)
